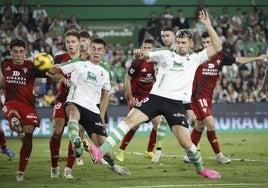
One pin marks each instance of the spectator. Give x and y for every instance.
(31, 52)
(251, 45)
(74, 23)
(49, 98)
(9, 11)
(180, 21)
(39, 13)
(120, 94)
(23, 9)
(20, 30)
(2, 46)
(153, 26)
(62, 22)
(31, 36)
(168, 15)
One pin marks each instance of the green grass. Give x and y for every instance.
(249, 166)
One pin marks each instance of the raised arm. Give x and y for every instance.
(244, 60)
(216, 43)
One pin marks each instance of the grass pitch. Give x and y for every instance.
(249, 166)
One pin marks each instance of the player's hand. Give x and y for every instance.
(263, 57)
(84, 55)
(14, 112)
(204, 17)
(65, 81)
(138, 53)
(132, 102)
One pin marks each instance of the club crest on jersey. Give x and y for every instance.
(177, 66)
(211, 66)
(91, 76)
(218, 61)
(25, 70)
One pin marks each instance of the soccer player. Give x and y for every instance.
(139, 82)
(168, 39)
(88, 84)
(205, 80)
(173, 85)
(17, 78)
(72, 42)
(3, 145)
(85, 53)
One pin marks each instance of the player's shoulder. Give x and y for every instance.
(163, 49)
(10, 61)
(60, 58)
(7, 60)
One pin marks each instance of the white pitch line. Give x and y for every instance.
(233, 159)
(202, 185)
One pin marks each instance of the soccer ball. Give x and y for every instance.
(43, 61)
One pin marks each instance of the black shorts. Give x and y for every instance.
(172, 110)
(90, 121)
(187, 106)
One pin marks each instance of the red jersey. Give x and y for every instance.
(207, 74)
(143, 77)
(205, 80)
(62, 90)
(19, 81)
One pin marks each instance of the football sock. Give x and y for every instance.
(115, 137)
(25, 151)
(160, 133)
(73, 130)
(194, 155)
(195, 136)
(70, 157)
(110, 160)
(212, 138)
(54, 145)
(152, 140)
(127, 138)
(2, 140)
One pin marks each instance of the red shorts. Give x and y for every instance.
(58, 110)
(201, 108)
(28, 114)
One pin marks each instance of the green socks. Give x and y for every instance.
(194, 155)
(115, 137)
(73, 130)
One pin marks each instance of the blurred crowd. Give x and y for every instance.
(244, 33)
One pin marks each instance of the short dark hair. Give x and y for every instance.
(72, 33)
(99, 41)
(150, 41)
(205, 35)
(84, 34)
(17, 42)
(166, 28)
